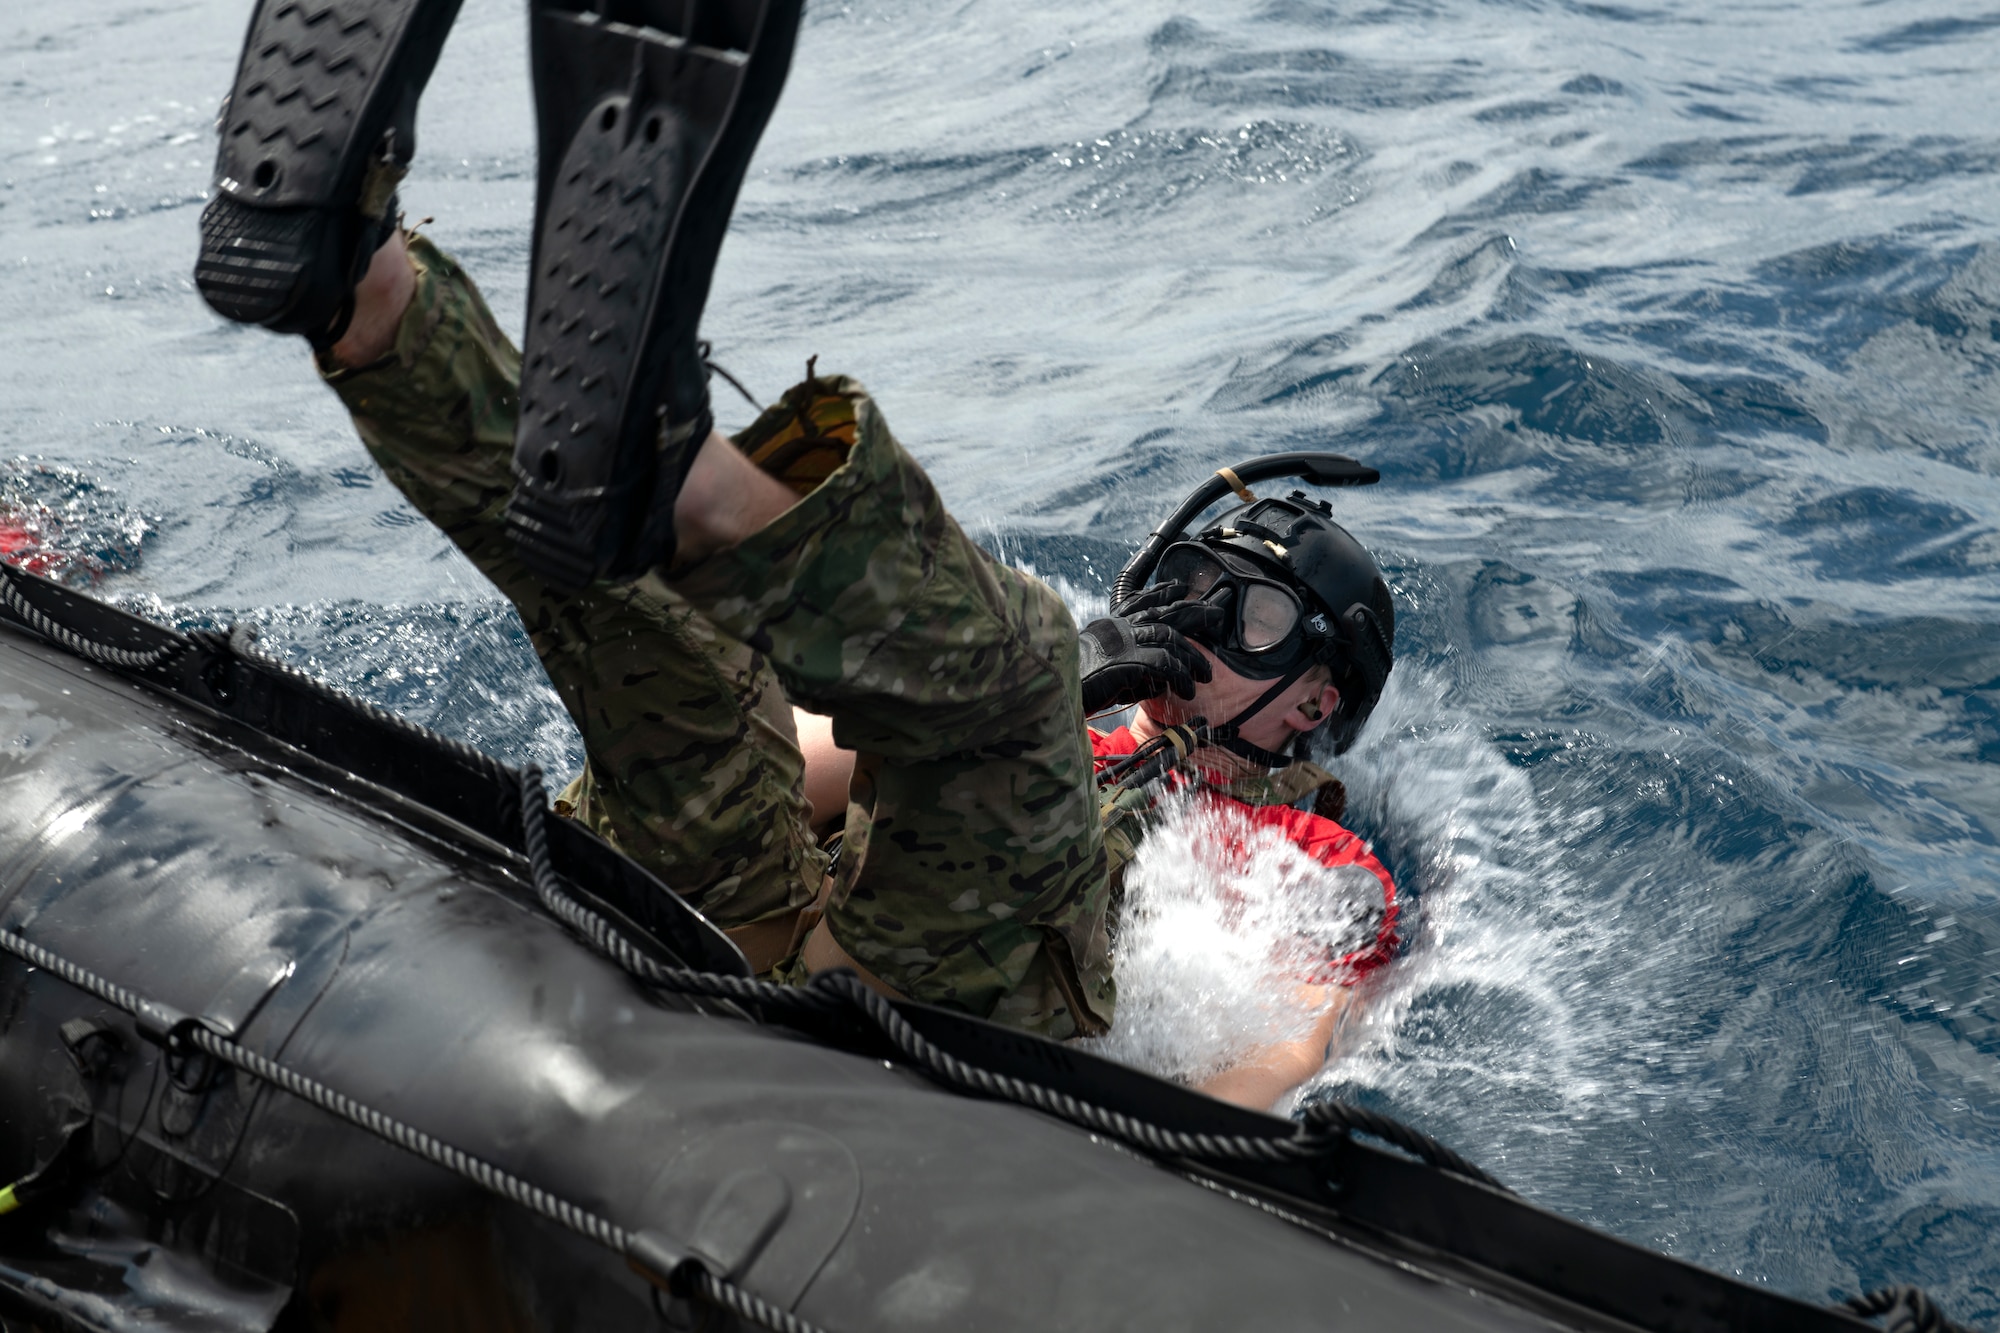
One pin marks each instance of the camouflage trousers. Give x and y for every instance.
(972, 872)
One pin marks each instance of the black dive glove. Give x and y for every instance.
(1141, 650)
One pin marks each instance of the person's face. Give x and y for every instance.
(1308, 703)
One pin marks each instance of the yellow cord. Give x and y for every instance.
(9, 1201)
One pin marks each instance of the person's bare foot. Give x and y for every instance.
(380, 299)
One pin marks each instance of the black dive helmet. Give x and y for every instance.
(1348, 620)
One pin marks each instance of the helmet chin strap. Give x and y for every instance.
(1229, 734)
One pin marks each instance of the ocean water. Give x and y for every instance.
(1673, 330)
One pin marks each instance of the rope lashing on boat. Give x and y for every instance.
(90, 649)
(660, 1260)
(1325, 1126)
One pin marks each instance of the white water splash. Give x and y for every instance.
(1499, 986)
(1223, 924)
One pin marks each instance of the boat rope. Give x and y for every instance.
(48, 628)
(673, 1268)
(1325, 1125)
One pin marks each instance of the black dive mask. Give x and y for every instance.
(1273, 630)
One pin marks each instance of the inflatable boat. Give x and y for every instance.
(311, 1019)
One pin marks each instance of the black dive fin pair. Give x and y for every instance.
(648, 112)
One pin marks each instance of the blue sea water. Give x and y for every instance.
(1673, 330)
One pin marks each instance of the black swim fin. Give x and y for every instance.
(318, 128)
(649, 111)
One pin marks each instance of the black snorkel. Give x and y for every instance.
(1319, 469)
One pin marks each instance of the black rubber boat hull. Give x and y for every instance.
(398, 955)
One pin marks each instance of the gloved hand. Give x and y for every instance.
(1141, 650)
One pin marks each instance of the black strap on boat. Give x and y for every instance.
(237, 641)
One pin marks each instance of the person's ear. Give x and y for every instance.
(1313, 711)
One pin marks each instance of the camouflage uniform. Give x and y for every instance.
(972, 873)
